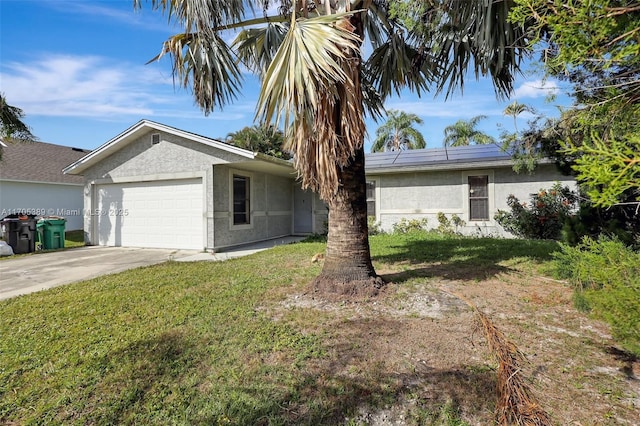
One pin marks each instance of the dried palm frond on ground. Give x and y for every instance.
(516, 405)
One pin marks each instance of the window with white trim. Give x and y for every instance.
(241, 200)
(478, 197)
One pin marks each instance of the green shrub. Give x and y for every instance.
(405, 225)
(620, 221)
(449, 226)
(543, 218)
(606, 277)
(373, 226)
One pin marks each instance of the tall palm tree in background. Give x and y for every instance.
(464, 132)
(11, 125)
(398, 133)
(514, 109)
(317, 85)
(524, 147)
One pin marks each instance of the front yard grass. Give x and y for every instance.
(74, 238)
(242, 342)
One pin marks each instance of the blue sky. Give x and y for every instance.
(77, 70)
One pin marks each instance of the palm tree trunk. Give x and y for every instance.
(347, 267)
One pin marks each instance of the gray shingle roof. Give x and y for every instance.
(39, 162)
(424, 158)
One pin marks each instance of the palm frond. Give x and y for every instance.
(474, 35)
(414, 139)
(516, 108)
(256, 47)
(464, 132)
(396, 65)
(373, 102)
(398, 133)
(379, 144)
(208, 62)
(201, 16)
(308, 61)
(312, 88)
(11, 124)
(376, 23)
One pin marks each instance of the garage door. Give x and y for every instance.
(159, 214)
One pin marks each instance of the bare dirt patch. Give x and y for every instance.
(420, 348)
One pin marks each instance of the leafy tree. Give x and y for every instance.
(265, 139)
(464, 132)
(318, 85)
(595, 46)
(620, 222)
(11, 124)
(398, 133)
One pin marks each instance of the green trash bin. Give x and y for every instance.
(39, 234)
(52, 232)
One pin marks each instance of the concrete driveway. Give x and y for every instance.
(26, 274)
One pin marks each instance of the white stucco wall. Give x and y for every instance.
(176, 158)
(271, 207)
(420, 195)
(43, 199)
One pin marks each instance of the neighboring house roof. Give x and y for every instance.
(450, 158)
(142, 127)
(24, 161)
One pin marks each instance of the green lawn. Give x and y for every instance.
(74, 238)
(177, 342)
(196, 343)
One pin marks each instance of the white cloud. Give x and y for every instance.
(92, 87)
(144, 18)
(536, 89)
(85, 86)
(452, 109)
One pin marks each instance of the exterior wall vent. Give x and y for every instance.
(155, 138)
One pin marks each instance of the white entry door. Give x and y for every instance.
(157, 214)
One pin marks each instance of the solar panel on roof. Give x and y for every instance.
(431, 156)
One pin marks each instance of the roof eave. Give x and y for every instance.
(41, 182)
(130, 135)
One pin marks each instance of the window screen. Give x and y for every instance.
(478, 197)
(241, 200)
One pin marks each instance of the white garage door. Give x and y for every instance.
(159, 214)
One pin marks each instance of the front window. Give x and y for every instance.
(478, 197)
(371, 198)
(241, 206)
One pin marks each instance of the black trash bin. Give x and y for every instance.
(20, 232)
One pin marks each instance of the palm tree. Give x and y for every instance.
(11, 125)
(514, 109)
(464, 132)
(398, 133)
(316, 83)
(265, 138)
(522, 147)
